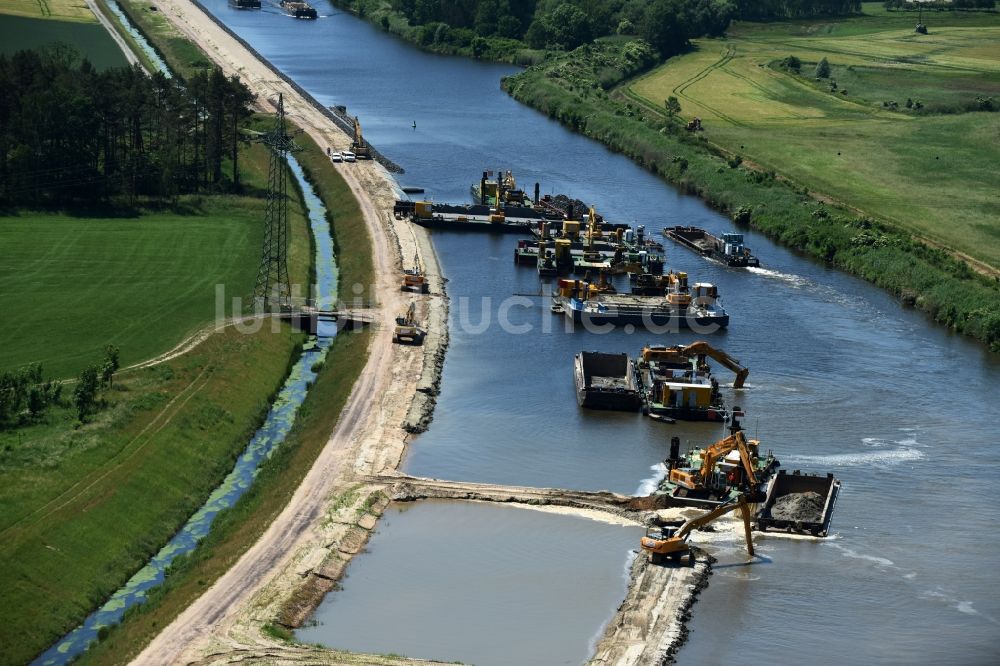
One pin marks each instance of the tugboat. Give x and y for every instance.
(729, 249)
(299, 10)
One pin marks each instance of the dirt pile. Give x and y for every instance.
(799, 507)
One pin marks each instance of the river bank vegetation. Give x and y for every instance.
(584, 90)
(524, 31)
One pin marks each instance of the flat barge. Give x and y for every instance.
(470, 217)
(729, 249)
(606, 381)
(244, 4)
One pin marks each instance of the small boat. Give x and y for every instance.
(413, 190)
(556, 308)
(662, 419)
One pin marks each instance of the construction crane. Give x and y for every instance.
(700, 350)
(359, 146)
(406, 330)
(668, 542)
(702, 478)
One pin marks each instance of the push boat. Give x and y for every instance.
(728, 249)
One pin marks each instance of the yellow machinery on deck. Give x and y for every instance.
(359, 146)
(703, 477)
(406, 330)
(699, 350)
(663, 543)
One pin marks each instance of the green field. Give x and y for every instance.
(60, 10)
(83, 508)
(90, 39)
(71, 285)
(931, 172)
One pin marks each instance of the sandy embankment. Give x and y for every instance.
(330, 517)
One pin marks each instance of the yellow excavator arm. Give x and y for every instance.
(703, 348)
(675, 545)
(735, 442)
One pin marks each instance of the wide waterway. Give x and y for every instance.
(843, 379)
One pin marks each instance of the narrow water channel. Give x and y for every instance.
(277, 424)
(440, 580)
(843, 378)
(140, 39)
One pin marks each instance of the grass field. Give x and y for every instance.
(83, 508)
(71, 285)
(181, 55)
(88, 38)
(60, 10)
(237, 529)
(934, 174)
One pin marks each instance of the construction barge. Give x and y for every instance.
(678, 307)
(729, 249)
(612, 249)
(606, 381)
(299, 10)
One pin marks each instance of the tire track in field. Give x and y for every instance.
(684, 85)
(125, 451)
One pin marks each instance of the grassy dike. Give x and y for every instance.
(573, 89)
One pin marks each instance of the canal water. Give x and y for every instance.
(843, 379)
(277, 424)
(527, 583)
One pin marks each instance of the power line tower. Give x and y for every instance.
(272, 289)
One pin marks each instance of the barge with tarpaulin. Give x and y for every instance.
(606, 381)
(729, 249)
(679, 307)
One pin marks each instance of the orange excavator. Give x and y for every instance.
(700, 350)
(703, 478)
(663, 543)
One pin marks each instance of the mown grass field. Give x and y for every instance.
(90, 39)
(932, 173)
(72, 284)
(83, 508)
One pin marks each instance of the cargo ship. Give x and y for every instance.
(299, 10)
(679, 307)
(606, 381)
(729, 249)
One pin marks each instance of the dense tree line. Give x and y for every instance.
(940, 4)
(70, 133)
(25, 395)
(762, 10)
(566, 24)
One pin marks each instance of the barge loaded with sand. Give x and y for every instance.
(729, 249)
(606, 381)
(299, 10)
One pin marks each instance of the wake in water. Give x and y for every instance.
(882, 457)
(796, 281)
(647, 486)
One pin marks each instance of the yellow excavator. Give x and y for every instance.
(703, 477)
(407, 331)
(670, 543)
(359, 146)
(700, 350)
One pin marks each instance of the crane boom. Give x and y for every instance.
(702, 348)
(719, 511)
(735, 442)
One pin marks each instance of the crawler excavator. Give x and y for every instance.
(407, 331)
(414, 279)
(670, 543)
(699, 350)
(359, 146)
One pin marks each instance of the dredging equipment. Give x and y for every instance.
(669, 542)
